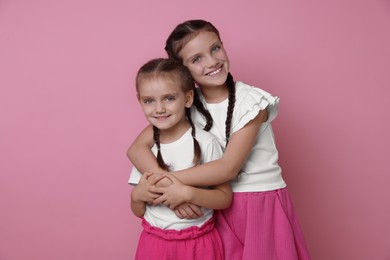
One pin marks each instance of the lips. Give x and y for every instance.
(161, 118)
(214, 72)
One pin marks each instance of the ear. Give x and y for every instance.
(189, 98)
(138, 96)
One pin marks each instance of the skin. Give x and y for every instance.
(208, 63)
(209, 66)
(163, 103)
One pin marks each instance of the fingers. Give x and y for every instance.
(159, 190)
(188, 211)
(172, 178)
(145, 176)
(179, 214)
(154, 178)
(196, 210)
(151, 198)
(159, 200)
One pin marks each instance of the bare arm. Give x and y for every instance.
(218, 197)
(141, 194)
(144, 160)
(208, 174)
(227, 167)
(140, 154)
(137, 206)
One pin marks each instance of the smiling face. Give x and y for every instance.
(206, 59)
(163, 102)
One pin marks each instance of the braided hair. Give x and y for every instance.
(180, 36)
(176, 71)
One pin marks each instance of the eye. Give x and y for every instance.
(216, 48)
(195, 59)
(147, 101)
(170, 98)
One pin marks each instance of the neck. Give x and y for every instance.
(174, 133)
(215, 94)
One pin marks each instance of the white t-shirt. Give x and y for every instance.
(261, 171)
(179, 155)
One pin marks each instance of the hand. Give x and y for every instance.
(188, 211)
(142, 192)
(173, 195)
(164, 182)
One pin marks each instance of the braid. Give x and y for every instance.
(232, 100)
(206, 114)
(197, 151)
(160, 160)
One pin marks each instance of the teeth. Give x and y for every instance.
(214, 72)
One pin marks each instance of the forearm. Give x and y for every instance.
(208, 174)
(217, 198)
(138, 207)
(226, 168)
(140, 154)
(144, 160)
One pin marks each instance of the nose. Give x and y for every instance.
(160, 108)
(211, 61)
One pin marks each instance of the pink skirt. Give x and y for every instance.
(261, 225)
(191, 243)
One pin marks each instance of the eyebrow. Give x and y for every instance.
(163, 96)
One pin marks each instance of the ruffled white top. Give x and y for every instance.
(261, 171)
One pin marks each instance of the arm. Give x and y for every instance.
(219, 197)
(143, 159)
(211, 173)
(227, 167)
(140, 154)
(141, 194)
(137, 205)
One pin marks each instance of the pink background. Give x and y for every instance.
(68, 113)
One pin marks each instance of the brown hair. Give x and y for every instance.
(173, 70)
(179, 37)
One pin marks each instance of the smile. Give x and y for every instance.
(161, 118)
(214, 72)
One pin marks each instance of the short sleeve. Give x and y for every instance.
(249, 101)
(135, 176)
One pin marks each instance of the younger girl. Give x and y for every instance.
(165, 90)
(261, 223)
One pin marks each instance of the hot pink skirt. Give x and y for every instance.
(261, 225)
(191, 243)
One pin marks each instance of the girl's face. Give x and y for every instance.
(206, 59)
(163, 103)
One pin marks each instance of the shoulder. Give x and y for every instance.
(250, 101)
(203, 136)
(209, 145)
(249, 97)
(244, 90)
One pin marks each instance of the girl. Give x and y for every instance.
(261, 222)
(165, 90)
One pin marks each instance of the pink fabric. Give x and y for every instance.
(261, 225)
(191, 243)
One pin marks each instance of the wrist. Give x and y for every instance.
(189, 194)
(134, 196)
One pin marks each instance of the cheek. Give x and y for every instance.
(194, 69)
(145, 109)
(223, 56)
(197, 74)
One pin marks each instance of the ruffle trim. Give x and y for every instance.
(250, 100)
